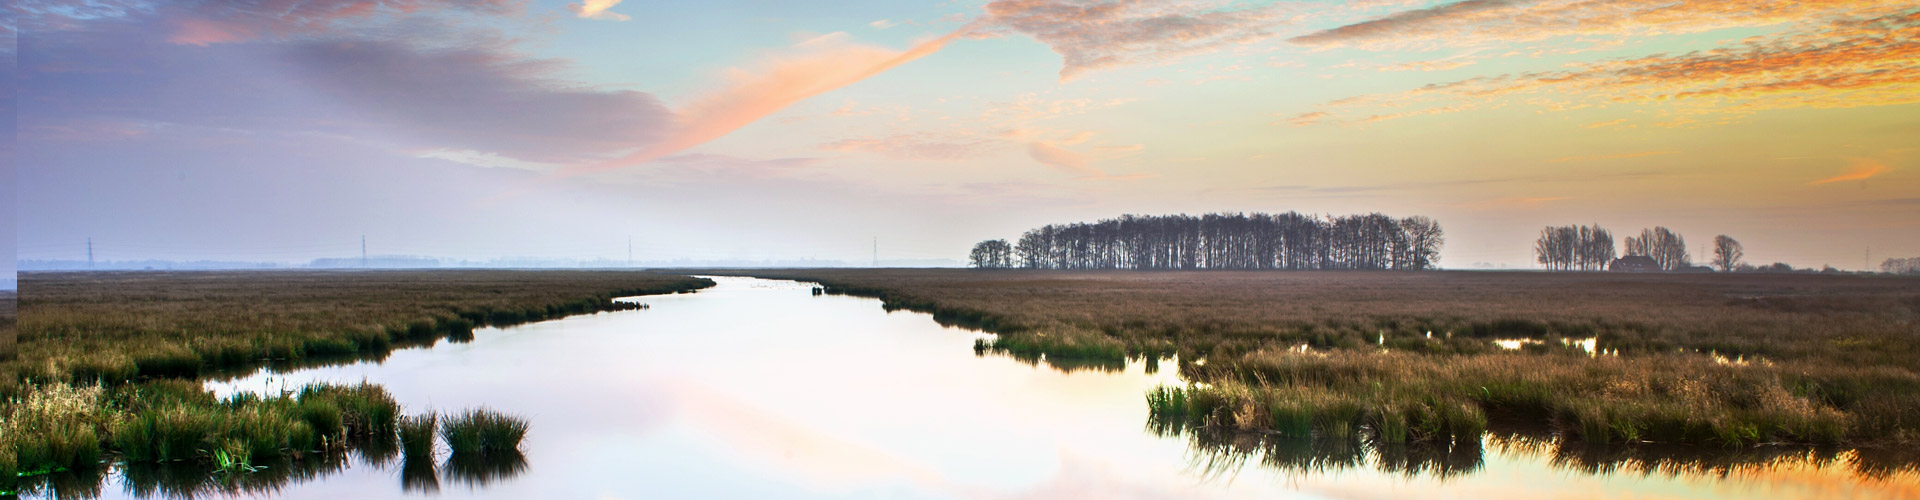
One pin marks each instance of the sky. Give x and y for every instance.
(287, 130)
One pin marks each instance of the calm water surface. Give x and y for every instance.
(758, 389)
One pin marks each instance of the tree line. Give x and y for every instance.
(1590, 248)
(1909, 265)
(1223, 241)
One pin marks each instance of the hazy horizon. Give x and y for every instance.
(779, 131)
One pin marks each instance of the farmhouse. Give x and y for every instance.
(1634, 264)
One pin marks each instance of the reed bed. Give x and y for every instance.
(483, 431)
(1707, 360)
(60, 430)
(416, 437)
(108, 364)
(118, 326)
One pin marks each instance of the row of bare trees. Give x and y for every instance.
(1667, 248)
(1590, 248)
(1574, 248)
(1910, 265)
(1226, 241)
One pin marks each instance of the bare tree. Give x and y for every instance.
(1666, 248)
(1726, 253)
(1233, 241)
(1424, 239)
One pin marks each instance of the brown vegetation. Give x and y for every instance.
(107, 361)
(1702, 359)
(116, 326)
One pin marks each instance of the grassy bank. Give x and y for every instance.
(8, 337)
(120, 326)
(108, 366)
(1389, 357)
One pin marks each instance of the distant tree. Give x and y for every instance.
(1726, 253)
(1598, 248)
(1777, 267)
(1910, 265)
(992, 254)
(1584, 248)
(1666, 248)
(1424, 239)
(1234, 241)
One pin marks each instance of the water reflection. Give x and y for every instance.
(191, 480)
(758, 389)
(1224, 453)
(479, 470)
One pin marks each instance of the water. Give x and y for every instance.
(758, 389)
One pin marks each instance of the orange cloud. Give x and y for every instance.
(823, 64)
(1442, 65)
(1478, 22)
(1843, 63)
(1863, 169)
(1062, 159)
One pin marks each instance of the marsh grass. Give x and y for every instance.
(483, 431)
(1410, 357)
(55, 428)
(416, 437)
(115, 327)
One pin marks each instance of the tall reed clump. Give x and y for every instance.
(56, 427)
(483, 431)
(174, 421)
(1295, 412)
(416, 437)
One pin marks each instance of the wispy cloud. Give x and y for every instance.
(233, 21)
(1851, 62)
(915, 146)
(1050, 153)
(1477, 22)
(1062, 159)
(1617, 156)
(449, 96)
(1510, 203)
(597, 9)
(1441, 65)
(814, 67)
(1863, 169)
(1094, 34)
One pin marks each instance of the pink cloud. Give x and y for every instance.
(1094, 34)
(914, 147)
(1062, 159)
(818, 66)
